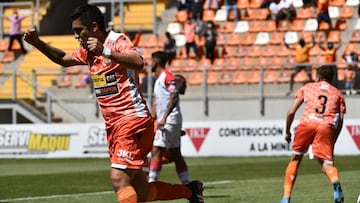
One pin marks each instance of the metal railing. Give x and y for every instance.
(36, 88)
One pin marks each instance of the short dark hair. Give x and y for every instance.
(325, 72)
(161, 57)
(89, 14)
(180, 77)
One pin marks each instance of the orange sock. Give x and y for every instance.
(290, 177)
(167, 191)
(127, 195)
(332, 173)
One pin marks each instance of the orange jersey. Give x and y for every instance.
(117, 93)
(302, 53)
(323, 102)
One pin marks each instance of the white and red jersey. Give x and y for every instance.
(116, 92)
(164, 86)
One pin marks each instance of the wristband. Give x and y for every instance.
(106, 52)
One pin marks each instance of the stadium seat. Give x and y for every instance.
(248, 39)
(315, 50)
(291, 37)
(241, 27)
(4, 44)
(290, 63)
(65, 81)
(255, 3)
(283, 51)
(298, 25)
(301, 77)
(349, 47)
(204, 62)
(174, 28)
(255, 51)
(262, 38)
(324, 26)
(357, 24)
(346, 12)
(276, 38)
(341, 75)
(243, 4)
(311, 25)
(191, 65)
(218, 65)
(255, 26)
(262, 14)
(298, 3)
(151, 41)
(227, 27)
(284, 26)
(221, 39)
(341, 63)
(196, 78)
(276, 63)
(249, 14)
(319, 60)
(355, 36)
(220, 15)
(341, 24)
(240, 77)
(352, 3)
(227, 51)
(240, 51)
(212, 78)
(307, 36)
(8, 57)
(338, 3)
(283, 77)
(320, 36)
(254, 76)
(334, 36)
(247, 63)
(269, 26)
(208, 15)
(334, 12)
(269, 50)
(176, 65)
(232, 64)
(234, 39)
(270, 77)
(225, 78)
(303, 13)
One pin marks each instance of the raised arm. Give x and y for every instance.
(54, 54)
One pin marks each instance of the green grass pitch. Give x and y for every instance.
(227, 180)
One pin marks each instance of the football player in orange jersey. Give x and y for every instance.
(112, 60)
(319, 126)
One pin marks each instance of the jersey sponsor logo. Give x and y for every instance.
(105, 84)
(197, 136)
(108, 90)
(354, 131)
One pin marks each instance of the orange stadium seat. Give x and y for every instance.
(151, 41)
(176, 65)
(276, 38)
(255, 51)
(161, 41)
(338, 3)
(240, 77)
(204, 62)
(341, 74)
(249, 14)
(284, 77)
(243, 4)
(269, 50)
(276, 63)
(218, 65)
(334, 36)
(221, 39)
(269, 26)
(81, 81)
(346, 12)
(320, 36)
(298, 25)
(255, 26)
(247, 63)
(212, 78)
(232, 64)
(355, 36)
(341, 63)
(227, 27)
(290, 63)
(341, 24)
(324, 26)
(227, 51)
(248, 39)
(303, 13)
(270, 77)
(208, 15)
(262, 14)
(3, 44)
(73, 70)
(234, 39)
(263, 62)
(8, 57)
(307, 36)
(284, 25)
(283, 51)
(225, 78)
(315, 50)
(191, 65)
(254, 77)
(240, 51)
(255, 3)
(196, 78)
(301, 77)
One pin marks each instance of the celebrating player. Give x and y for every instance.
(128, 122)
(319, 126)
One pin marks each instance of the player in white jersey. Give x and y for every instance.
(166, 110)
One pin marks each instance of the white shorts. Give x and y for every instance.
(168, 137)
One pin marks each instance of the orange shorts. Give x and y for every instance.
(320, 136)
(129, 142)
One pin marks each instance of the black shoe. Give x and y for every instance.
(338, 193)
(197, 191)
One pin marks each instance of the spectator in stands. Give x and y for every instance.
(169, 47)
(197, 10)
(231, 5)
(282, 10)
(323, 12)
(352, 59)
(215, 3)
(349, 80)
(210, 34)
(190, 32)
(330, 56)
(183, 5)
(15, 30)
(302, 60)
